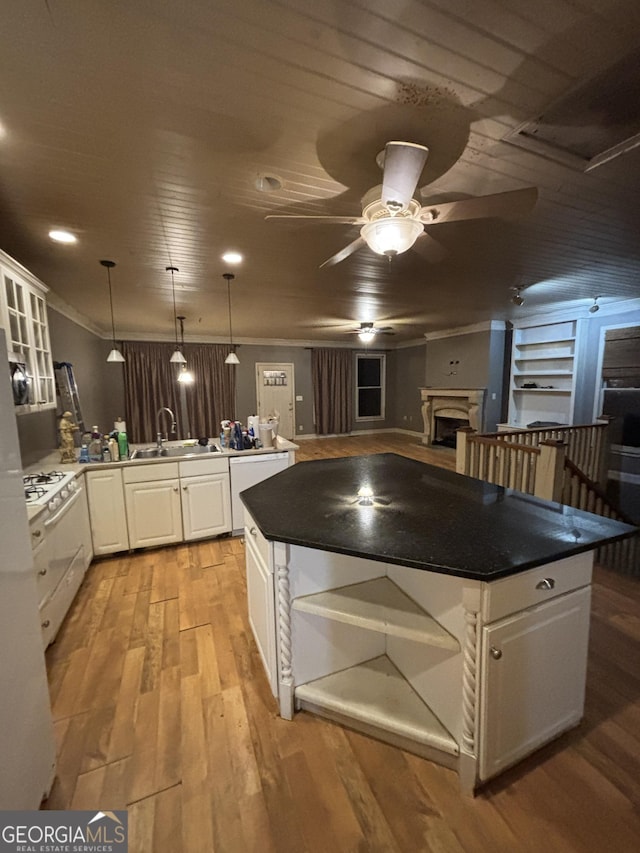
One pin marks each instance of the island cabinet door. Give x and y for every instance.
(262, 614)
(533, 673)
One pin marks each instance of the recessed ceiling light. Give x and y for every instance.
(267, 183)
(232, 258)
(61, 236)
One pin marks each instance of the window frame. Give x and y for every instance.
(382, 358)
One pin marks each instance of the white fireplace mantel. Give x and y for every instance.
(466, 404)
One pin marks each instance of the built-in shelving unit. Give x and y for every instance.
(375, 695)
(543, 373)
(378, 605)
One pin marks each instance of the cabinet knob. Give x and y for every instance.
(184, 488)
(253, 531)
(496, 654)
(46, 623)
(42, 572)
(175, 488)
(546, 583)
(37, 533)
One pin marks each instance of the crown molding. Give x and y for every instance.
(57, 304)
(486, 326)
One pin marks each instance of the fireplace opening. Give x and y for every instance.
(444, 433)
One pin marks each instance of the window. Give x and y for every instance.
(370, 376)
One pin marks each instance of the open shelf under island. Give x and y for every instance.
(440, 613)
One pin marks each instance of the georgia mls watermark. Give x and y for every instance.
(63, 832)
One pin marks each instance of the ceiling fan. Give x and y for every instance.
(392, 219)
(367, 332)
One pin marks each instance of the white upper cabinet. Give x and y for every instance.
(23, 315)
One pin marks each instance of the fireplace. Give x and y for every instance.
(446, 409)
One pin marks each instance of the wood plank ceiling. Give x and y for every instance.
(143, 128)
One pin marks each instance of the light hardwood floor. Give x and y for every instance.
(161, 707)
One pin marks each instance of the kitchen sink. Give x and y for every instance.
(188, 449)
(172, 451)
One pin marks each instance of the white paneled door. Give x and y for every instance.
(275, 394)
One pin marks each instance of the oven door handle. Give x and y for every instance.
(64, 509)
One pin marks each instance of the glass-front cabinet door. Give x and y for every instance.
(23, 315)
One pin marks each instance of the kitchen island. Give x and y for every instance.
(437, 612)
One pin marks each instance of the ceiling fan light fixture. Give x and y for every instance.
(392, 235)
(366, 335)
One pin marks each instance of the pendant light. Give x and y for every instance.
(177, 356)
(185, 375)
(115, 355)
(232, 358)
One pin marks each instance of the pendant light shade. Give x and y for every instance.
(232, 358)
(185, 375)
(177, 356)
(115, 355)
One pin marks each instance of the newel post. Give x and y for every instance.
(550, 470)
(463, 450)
(604, 448)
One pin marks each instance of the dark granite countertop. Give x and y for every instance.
(420, 516)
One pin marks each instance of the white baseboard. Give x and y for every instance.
(357, 432)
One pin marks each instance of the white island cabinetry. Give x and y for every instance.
(473, 675)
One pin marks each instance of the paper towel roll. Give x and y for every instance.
(120, 426)
(253, 421)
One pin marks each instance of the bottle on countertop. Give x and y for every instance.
(95, 445)
(114, 450)
(123, 446)
(106, 453)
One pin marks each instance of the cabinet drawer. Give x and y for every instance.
(253, 534)
(214, 464)
(149, 473)
(535, 586)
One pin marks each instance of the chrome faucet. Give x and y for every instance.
(158, 430)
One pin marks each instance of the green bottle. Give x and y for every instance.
(123, 446)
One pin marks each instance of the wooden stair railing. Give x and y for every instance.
(546, 472)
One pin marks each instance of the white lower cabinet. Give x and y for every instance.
(206, 501)
(153, 513)
(107, 511)
(533, 674)
(261, 606)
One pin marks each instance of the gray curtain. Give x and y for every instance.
(332, 376)
(150, 382)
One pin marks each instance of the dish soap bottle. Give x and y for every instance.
(123, 446)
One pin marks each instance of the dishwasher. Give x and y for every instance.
(245, 472)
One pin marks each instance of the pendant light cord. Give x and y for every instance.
(229, 276)
(113, 326)
(173, 290)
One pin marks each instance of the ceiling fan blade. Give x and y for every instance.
(403, 164)
(344, 253)
(508, 204)
(429, 248)
(344, 220)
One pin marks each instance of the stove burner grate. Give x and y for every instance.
(42, 478)
(33, 493)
